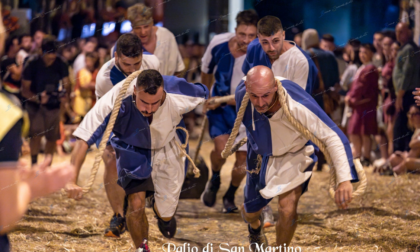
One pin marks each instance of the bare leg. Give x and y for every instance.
(412, 164)
(34, 145)
(216, 159)
(287, 222)
(136, 218)
(367, 146)
(357, 145)
(114, 192)
(390, 135)
(382, 141)
(239, 169)
(252, 218)
(50, 148)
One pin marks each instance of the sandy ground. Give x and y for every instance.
(386, 219)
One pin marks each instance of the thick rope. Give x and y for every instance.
(182, 147)
(108, 130)
(223, 99)
(304, 131)
(227, 151)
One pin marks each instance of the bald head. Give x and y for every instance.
(403, 33)
(261, 86)
(260, 76)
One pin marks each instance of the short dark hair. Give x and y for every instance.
(247, 17)
(22, 36)
(48, 46)
(150, 81)
(129, 45)
(269, 25)
(328, 37)
(369, 46)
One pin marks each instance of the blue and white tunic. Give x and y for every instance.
(227, 70)
(287, 156)
(294, 64)
(109, 74)
(144, 149)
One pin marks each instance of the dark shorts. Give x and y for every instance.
(43, 121)
(143, 185)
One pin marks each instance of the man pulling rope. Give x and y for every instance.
(280, 158)
(150, 157)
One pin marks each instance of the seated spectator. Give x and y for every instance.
(407, 161)
(85, 85)
(363, 99)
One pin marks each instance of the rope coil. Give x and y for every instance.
(230, 149)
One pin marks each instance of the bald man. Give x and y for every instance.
(286, 157)
(406, 78)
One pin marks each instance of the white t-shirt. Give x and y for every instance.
(21, 56)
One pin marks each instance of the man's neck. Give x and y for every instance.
(274, 107)
(286, 46)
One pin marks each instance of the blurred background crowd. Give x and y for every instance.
(376, 67)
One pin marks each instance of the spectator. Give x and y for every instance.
(385, 140)
(25, 42)
(327, 78)
(298, 39)
(103, 55)
(326, 85)
(327, 43)
(85, 85)
(353, 64)
(26, 186)
(407, 161)
(378, 57)
(11, 72)
(41, 86)
(80, 61)
(363, 99)
(352, 52)
(406, 78)
(37, 42)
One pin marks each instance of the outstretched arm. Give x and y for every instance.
(77, 159)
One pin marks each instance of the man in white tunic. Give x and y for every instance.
(285, 157)
(148, 148)
(128, 59)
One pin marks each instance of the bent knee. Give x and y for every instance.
(136, 203)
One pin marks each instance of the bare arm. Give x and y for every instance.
(26, 89)
(16, 194)
(77, 159)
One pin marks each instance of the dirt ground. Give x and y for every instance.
(387, 218)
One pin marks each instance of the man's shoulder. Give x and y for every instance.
(221, 38)
(165, 32)
(179, 86)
